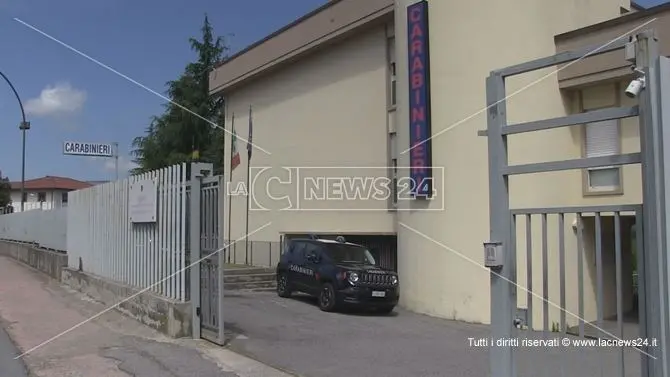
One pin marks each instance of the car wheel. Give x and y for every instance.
(283, 286)
(327, 298)
(385, 310)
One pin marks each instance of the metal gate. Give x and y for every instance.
(507, 322)
(206, 241)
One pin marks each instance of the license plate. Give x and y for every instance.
(378, 294)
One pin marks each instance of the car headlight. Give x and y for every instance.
(353, 277)
(394, 280)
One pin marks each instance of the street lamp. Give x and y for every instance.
(25, 125)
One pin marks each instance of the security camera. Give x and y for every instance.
(635, 87)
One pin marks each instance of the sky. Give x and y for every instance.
(70, 98)
(67, 97)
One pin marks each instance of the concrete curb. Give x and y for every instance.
(251, 356)
(5, 325)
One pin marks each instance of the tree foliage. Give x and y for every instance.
(188, 122)
(5, 192)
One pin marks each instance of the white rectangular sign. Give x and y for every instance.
(142, 201)
(88, 149)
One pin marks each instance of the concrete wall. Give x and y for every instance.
(48, 262)
(44, 229)
(442, 280)
(611, 65)
(169, 317)
(330, 111)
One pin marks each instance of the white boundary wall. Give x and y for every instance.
(47, 229)
(152, 255)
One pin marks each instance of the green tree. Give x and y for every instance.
(173, 136)
(5, 192)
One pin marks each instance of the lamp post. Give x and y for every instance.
(25, 125)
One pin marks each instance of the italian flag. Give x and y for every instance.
(234, 153)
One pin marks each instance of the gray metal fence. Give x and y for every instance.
(593, 256)
(210, 246)
(261, 253)
(501, 251)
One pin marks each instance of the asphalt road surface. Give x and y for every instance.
(9, 366)
(295, 335)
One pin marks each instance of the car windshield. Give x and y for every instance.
(350, 254)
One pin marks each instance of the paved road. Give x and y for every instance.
(294, 334)
(9, 366)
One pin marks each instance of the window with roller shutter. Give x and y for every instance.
(603, 139)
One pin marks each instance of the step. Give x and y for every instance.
(249, 278)
(247, 271)
(250, 285)
(238, 292)
(268, 289)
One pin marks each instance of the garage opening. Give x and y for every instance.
(384, 248)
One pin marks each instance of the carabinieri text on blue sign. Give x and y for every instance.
(419, 100)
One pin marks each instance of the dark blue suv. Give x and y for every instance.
(338, 273)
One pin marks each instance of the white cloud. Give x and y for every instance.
(59, 99)
(125, 164)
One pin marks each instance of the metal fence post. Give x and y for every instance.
(664, 265)
(221, 262)
(653, 141)
(655, 323)
(503, 292)
(198, 171)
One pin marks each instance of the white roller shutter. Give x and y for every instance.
(602, 139)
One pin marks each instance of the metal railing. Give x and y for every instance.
(102, 238)
(261, 253)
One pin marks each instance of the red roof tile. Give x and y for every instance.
(52, 183)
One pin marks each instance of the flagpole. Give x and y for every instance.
(248, 189)
(230, 179)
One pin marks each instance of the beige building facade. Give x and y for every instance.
(329, 99)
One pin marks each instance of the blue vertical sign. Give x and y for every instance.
(419, 100)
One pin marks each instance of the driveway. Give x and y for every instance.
(295, 335)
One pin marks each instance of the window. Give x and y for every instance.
(64, 198)
(42, 197)
(312, 251)
(349, 254)
(394, 164)
(393, 85)
(391, 71)
(603, 139)
(298, 252)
